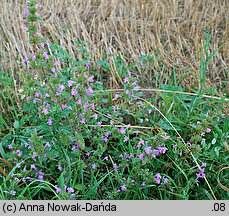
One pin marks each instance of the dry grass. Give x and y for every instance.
(131, 28)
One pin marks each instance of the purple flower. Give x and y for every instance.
(47, 144)
(162, 150)
(143, 184)
(75, 147)
(63, 106)
(45, 55)
(37, 94)
(105, 139)
(70, 82)
(41, 175)
(165, 137)
(32, 166)
(38, 5)
(27, 12)
(203, 165)
(88, 64)
(61, 88)
(25, 61)
(141, 142)
(126, 138)
(122, 130)
(33, 57)
(95, 116)
(13, 193)
(107, 134)
(202, 134)
(83, 121)
(132, 180)
(88, 154)
(58, 190)
(123, 187)
(74, 92)
(148, 150)
(115, 108)
(157, 178)
(79, 102)
(57, 63)
(131, 155)
(92, 106)
(46, 95)
(49, 122)
(91, 79)
(99, 123)
(158, 181)
(158, 175)
(59, 167)
(115, 167)
(116, 96)
(106, 158)
(198, 123)
(70, 190)
(201, 174)
(93, 166)
(53, 69)
(89, 91)
(42, 44)
(126, 80)
(166, 181)
(141, 156)
(208, 130)
(10, 146)
(85, 106)
(45, 111)
(136, 132)
(127, 92)
(19, 153)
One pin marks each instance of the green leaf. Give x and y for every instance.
(80, 140)
(31, 3)
(65, 138)
(32, 29)
(16, 125)
(60, 181)
(213, 141)
(79, 187)
(2, 152)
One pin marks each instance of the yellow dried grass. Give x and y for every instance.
(128, 27)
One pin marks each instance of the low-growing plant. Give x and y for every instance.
(74, 138)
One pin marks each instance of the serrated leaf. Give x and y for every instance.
(80, 140)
